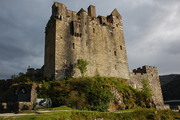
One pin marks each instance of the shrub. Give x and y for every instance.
(82, 66)
(93, 93)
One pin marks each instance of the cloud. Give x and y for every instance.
(155, 39)
(151, 28)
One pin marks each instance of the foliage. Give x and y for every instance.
(82, 66)
(93, 93)
(144, 96)
(146, 89)
(81, 93)
(28, 79)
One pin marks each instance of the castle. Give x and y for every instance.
(70, 36)
(99, 40)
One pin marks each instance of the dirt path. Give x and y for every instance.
(13, 114)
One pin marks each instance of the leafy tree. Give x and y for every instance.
(82, 66)
(146, 89)
(144, 96)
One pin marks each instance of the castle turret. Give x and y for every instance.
(59, 10)
(149, 73)
(92, 11)
(82, 11)
(116, 14)
(115, 17)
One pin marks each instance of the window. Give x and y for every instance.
(93, 30)
(60, 17)
(115, 53)
(120, 47)
(73, 45)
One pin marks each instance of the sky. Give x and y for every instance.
(151, 30)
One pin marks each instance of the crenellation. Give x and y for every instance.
(145, 69)
(59, 10)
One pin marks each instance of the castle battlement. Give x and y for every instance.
(145, 69)
(60, 11)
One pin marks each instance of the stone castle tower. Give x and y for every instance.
(71, 36)
(99, 40)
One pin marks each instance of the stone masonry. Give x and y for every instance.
(18, 97)
(98, 40)
(149, 73)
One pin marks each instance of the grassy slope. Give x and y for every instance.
(57, 114)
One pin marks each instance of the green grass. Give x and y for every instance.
(64, 107)
(140, 114)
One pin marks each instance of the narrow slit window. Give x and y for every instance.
(73, 45)
(115, 53)
(60, 17)
(120, 47)
(93, 30)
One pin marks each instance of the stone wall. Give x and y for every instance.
(15, 107)
(18, 97)
(149, 73)
(99, 40)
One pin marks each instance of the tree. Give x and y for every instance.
(82, 66)
(146, 89)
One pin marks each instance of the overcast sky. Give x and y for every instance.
(151, 28)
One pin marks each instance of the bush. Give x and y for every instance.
(93, 93)
(81, 93)
(82, 66)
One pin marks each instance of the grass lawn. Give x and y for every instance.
(65, 113)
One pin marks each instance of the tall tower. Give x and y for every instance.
(98, 40)
(92, 11)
